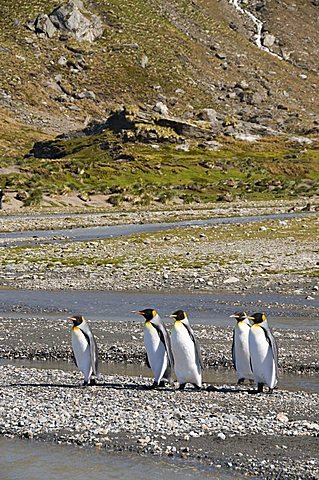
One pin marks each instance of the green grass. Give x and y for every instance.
(162, 174)
(176, 37)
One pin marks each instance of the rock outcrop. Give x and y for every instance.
(70, 19)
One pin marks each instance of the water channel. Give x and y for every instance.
(28, 460)
(94, 233)
(283, 311)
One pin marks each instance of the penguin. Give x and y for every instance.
(84, 349)
(263, 353)
(157, 342)
(240, 347)
(186, 352)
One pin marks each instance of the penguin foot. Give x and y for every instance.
(92, 381)
(182, 386)
(270, 391)
(85, 383)
(197, 387)
(253, 392)
(161, 384)
(260, 388)
(251, 381)
(240, 381)
(153, 386)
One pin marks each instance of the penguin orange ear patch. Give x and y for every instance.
(154, 313)
(263, 317)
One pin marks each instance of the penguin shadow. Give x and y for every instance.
(133, 386)
(110, 385)
(229, 388)
(113, 386)
(223, 389)
(45, 385)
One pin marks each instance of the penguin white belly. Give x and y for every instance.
(156, 351)
(186, 367)
(243, 368)
(81, 350)
(262, 360)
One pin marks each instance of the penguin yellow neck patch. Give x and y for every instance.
(178, 324)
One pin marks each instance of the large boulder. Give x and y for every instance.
(43, 25)
(70, 18)
(74, 18)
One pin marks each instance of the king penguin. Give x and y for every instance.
(186, 352)
(240, 347)
(263, 353)
(84, 349)
(157, 342)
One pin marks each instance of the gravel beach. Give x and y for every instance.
(223, 426)
(279, 256)
(266, 436)
(122, 342)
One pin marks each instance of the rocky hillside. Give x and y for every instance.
(199, 71)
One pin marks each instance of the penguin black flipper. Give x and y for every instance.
(147, 361)
(94, 355)
(233, 353)
(74, 359)
(196, 344)
(87, 332)
(162, 332)
(272, 342)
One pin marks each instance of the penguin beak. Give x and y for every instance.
(172, 316)
(233, 316)
(137, 313)
(71, 318)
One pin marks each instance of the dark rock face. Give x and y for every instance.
(47, 149)
(130, 125)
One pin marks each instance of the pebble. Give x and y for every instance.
(36, 404)
(209, 256)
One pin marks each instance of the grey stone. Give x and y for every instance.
(88, 94)
(231, 280)
(44, 25)
(62, 61)
(161, 108)
(184, 147)
(208, 115)
(269, 40)
(220, 55)
(242, 84)
(73, 18)
(144, 61)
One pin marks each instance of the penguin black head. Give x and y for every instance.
(77, 320)
(240, 316)
(258, 317)
(179, 315)
(148, 313)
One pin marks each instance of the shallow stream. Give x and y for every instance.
(29, 460)
(94, 233)
(283, 311)
(217, 377)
